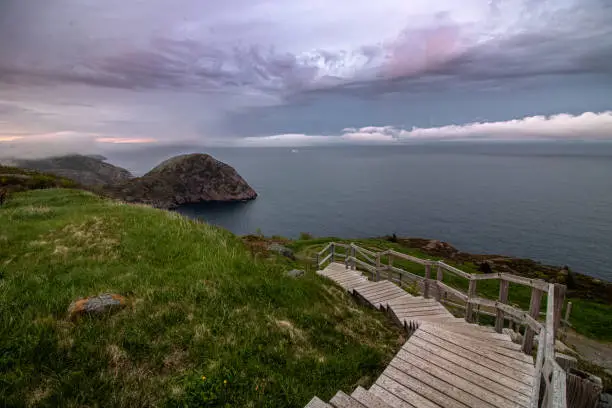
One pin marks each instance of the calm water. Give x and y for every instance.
(551, 202)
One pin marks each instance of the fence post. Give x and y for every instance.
(390, 268)
(353, 263)
(377, 266)
(426, 281)
(559, 298)
(469, 309)
(534, 311)
(503, 298)
(439, 276)
(332, 250)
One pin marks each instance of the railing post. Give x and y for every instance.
(377, 266)
(439, 276)
(353, 263)
(559, 298)
(332, 250)
(469, 309)
(503, 298)
(534, 311)
(390, 268)
(426, 281)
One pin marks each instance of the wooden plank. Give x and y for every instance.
(389, 397)
(534, 283)
(476, 344)
(425, 387)
(501, 355)
(389, 294)
(503, 298)
(363, 250)
(321, 252)
(327, 258)
(455, 292)
(408, 257)
(558, 305)
(368, 399)
(502, 344)
(317, 403)
(377, 289)
(488, 276)
(477, 358)
(426, 281)
(559, 381)
(405, 393)
(407, 274)
(534, 311)
(441, 312)
(537, 378)
(454, 270)
(480, 380)
(417, 308)
(475, 367)
(469, 310)
(440, 378)
(342, 400)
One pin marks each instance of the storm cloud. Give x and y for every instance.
(191, 70)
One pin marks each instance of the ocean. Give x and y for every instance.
(551, 202)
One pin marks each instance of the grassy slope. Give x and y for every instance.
(200, 305)
(589, 318)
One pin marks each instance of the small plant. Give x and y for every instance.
(305, 236)
(259, 233)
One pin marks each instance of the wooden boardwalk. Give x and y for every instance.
(446, 361)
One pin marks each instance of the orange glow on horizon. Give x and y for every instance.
(118, 140)
(10, 138)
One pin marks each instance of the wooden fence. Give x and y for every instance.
(550, 386)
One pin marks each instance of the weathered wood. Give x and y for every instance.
(424, 387)
(353, 266)
(378, 267)
(483, 370)
(476, 358)
(321, 252)
(488, 276)
(455, 292)
(534, 312)
(503, 298)
(408, 257)
(558, 305)
(368, 399)
(439, 277)
(427, 279)
(398, 396)
(465, 373)
(568, 311)
(534, 283)
(317, 403)
(454, 270)
(342, 400)
(559, 398)
(410, 275)
(464, 390)
(389, 265)
(327, 258)
(469, 310)
(332, 251)
(537, 378)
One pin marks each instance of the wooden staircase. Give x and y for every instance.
(446, 361)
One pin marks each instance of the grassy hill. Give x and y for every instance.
(209, 323)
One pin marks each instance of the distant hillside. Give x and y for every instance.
(16, 179)
(86, 170)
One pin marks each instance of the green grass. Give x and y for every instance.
(590, 318)
(17, 179)
(200, 304)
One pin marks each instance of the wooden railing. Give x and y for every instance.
(548, 372)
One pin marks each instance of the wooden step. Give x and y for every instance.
(316, 402)
(342, 400)
(368, 399)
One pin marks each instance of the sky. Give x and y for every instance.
(89, 75)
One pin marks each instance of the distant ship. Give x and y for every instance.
(294, 150)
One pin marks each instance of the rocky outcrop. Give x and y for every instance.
(85, 170)
(187, 179)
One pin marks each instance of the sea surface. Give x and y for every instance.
(547, 201)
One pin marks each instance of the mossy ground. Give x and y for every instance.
(209, 322)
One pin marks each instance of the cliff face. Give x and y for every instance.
(186, 179)
(86, 170)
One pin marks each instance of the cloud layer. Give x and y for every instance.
(588, 126)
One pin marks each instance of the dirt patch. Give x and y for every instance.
(593, 351)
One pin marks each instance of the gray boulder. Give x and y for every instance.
(96, 305)
(295, 273)
(282, 250)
